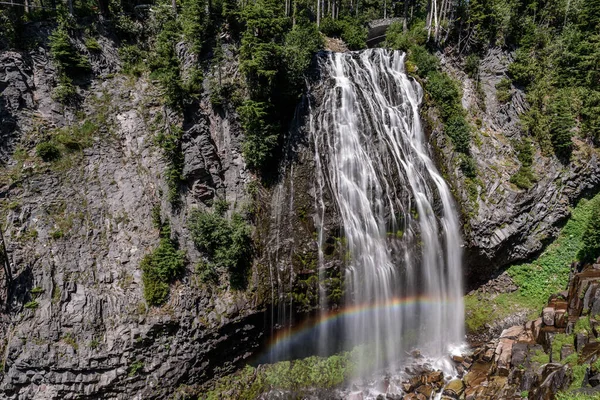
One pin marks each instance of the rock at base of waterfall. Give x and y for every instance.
(414, 396)
(454, 389)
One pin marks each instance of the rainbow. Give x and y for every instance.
(295, 333)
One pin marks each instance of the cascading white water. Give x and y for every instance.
(404, 275)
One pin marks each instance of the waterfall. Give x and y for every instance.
(403, 273)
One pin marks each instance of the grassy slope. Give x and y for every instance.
(537, 280)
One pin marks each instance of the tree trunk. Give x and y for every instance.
(318, 12)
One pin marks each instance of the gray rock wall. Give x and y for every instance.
(77, 229)
(505, 224)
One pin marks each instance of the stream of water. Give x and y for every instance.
(399, 220)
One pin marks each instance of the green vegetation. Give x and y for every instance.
(92, 45)
(577, 396)
(47, 151)
(550, 272)
(32, 305)
(169, 140)
(524, 178)
(558, 342)
(226, 242)
(297, 375)
(65, 54)
(68, 140)
(70, 340)
(503, 90)
(590, 250)
(537, 280)
(135, 367)
(350, 29)
(273, 57)
(540, 357)
(69, 61)
(161, 267)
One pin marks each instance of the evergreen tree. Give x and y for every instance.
(561, 126)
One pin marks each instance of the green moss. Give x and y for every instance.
(576, 396)
(558, 342)
(483, 309)
(70, 340)
(36, 291)
(583, 325)
(578, 375)
(540, 357)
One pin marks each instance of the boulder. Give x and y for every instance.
(581, 339)
(566, 350)
(414, 396)
(548, 316)
(454, 388)
(559, 379)
(425, 390)
(435, 376)
(594, 380)
(560, 321)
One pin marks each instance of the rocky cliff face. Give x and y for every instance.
(77, 325)
(77, 228)
(503, 223)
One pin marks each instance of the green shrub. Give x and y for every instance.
(125, 27)
(47, 151)
(165, 64)
(445, 93)
(92, 45)
(65, 54)
(503, 91)
(169, 141)
(397, 39)
(194, 23)
(425, 62)
(227, 244)
(132, 59)
(472, 65)
(351, 30)
(524, 178)
(135, 367)
(65, 92)
(457, 128)
(32, 305)
(160, 268)
(301, 43)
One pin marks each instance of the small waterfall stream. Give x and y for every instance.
(404, 273)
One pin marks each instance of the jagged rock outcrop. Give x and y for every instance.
(505, 224)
